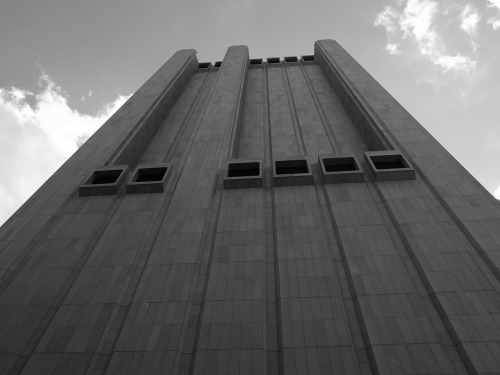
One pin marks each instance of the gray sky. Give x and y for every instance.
(67, 65)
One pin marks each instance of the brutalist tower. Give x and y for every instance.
(278, 216)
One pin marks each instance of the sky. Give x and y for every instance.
(66, 66)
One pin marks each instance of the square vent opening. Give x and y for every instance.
(243, 169)
(291, 59)
(151, 174)
(255, 61)
(243, 173)
(217, 64)
(291, 167)
(389, 162)
(103, 181)
(292, 172)
(148, 178)
(105, 177)
(339, 169)
(273, 60)
(343, 164)
(389, 166)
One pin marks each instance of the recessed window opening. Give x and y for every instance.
(340, 165)
(308, 58)
(105, 177)
(218, 64)
(204, 65)
(389, 162)
(291, 167)
(243, 169)
(151, 174)
(273, 60)
(290, 59)
(255, 61)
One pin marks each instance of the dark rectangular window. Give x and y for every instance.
(105, 177)
(388, 162)
(273, 60)
(243, 169)
(150, 174)
(339, 164)
(291, 167)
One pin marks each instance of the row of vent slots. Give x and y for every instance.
(269, 60)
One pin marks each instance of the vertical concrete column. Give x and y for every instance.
(58, 224)
(467, 202)
(188, 244)
(229, 314)
(352, 101)
(120, 140)
(151, 104)
(446, 221)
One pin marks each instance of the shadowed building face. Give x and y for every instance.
(279, 215)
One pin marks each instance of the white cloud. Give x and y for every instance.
(414, 22)
(496, 193)
(494, 21)
(388, 19)
(457, 63)
(393, 49)
(494, 3)
(469, 20)
(36, 140)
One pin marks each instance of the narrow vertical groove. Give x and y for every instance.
(464, 355)
(184, 126)
(331, 230)
(321, 112)
(269, 294)
(293, 112)
(207, 253)
(238, 117)
(270, 199)
(350, 282)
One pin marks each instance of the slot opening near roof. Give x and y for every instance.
(291, 59)
(204, 65)
(273, 60)
(105, 177)
(389, 162)
(250, 169)
(298, 166)
(341, 164)
(255, 61)
(150, 174)
(306, 58)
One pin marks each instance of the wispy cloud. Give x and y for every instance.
(494, 20)
(412, 24)
(416, 22)
(469, 20)
(36, 139)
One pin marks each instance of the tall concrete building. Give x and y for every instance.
(284, 216)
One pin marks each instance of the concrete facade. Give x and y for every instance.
(387, 265)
